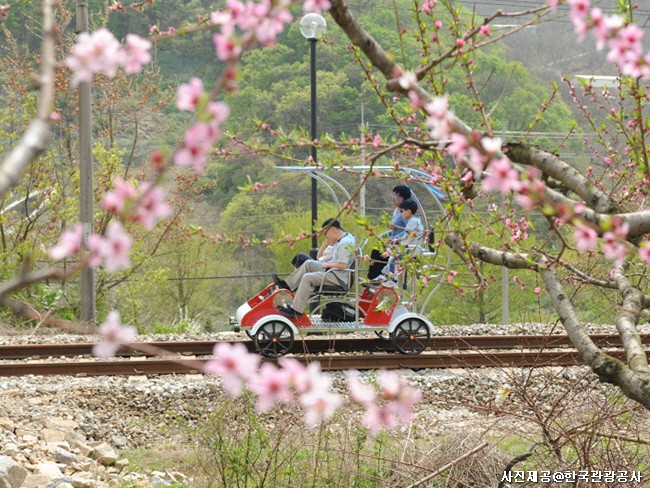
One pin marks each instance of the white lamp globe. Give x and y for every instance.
(312, 26)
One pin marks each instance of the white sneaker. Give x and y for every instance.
(390, 283)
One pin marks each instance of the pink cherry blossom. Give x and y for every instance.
(136, 53)
(69, 243)
(604, 26)
(579, 8)
(319, 404)
(267, 31)
(234, 364)
(101, 52)
(441, 120)
(491, 145)
(189, 94)
(145, 205)
(400, 395)
(271, 386)
(644, 253)
(227, 47)
(468, 177)
(95, 244)
(476, 161)
(428, 5)
(304, 379)
(96, 52)
(113, 334)
(502, 177)
(114, 249)
(585, 238)
(621, 229)
(218, 112)
(316, 6)
(415, 99)
(360, 392)
(408, 80)
(151, 206)
(614, 248)
(458, 147)
(196, 148)
(117, 200)
(553, 4)
(377, 418)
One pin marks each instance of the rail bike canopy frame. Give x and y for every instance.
(420, 183)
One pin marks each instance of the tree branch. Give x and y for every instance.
(634, 384)
(627, 320)
(38, 134)
(572, 179)
(489, 255)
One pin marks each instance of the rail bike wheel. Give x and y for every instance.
(274, 339)
(383, 335)
(411, 336)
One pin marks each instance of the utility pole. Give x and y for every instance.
(505, 281)
(85, 178)
(362, 190)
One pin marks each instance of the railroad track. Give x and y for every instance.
(443, 352)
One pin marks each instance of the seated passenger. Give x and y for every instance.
(312, 273)
(395, 230)
(301, 257)
(412, 239)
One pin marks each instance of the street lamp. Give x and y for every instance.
(313, 26)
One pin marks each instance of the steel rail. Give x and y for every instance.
(317, 345)
(469, 359)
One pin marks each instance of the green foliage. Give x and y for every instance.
(235, 446)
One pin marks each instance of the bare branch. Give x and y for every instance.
(491, 256)
(635, 384)
(378, 57)
(38, 134)
(24, 310)
(627, 320)
(571, 179)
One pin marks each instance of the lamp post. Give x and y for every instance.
(313, 26)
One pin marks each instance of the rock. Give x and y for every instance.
(105, 454)
(49, 469)
(83, 480)
(120, 440)
(9, 449)
(64, 425)
(12, 474)
(7, 424)
(53, 435)
(36, 481)
(64, 457)
(157, 481)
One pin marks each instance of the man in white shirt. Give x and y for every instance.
(311, 274)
